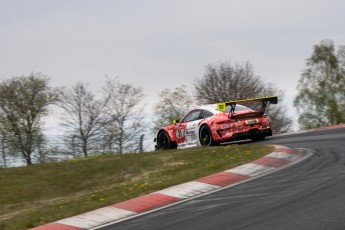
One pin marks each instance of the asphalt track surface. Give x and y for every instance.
(307, 195)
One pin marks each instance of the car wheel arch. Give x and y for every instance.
(172, 141)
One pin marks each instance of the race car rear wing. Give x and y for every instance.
(222, 106)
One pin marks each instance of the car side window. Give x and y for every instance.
(205, 114)
(192, 116)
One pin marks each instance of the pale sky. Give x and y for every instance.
(159, 44)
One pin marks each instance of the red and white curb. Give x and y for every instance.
(281, 157)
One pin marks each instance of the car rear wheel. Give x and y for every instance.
(205, 136)
(164, 142)
(258, 137)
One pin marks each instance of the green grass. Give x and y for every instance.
(39, 194)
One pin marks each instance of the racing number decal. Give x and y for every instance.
(180, 133)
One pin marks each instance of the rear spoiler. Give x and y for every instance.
(222, 106)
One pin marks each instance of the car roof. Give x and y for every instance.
(213, 108)
(209, 107)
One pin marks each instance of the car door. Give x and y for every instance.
(185, 130)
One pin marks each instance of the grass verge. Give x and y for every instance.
(39, 194)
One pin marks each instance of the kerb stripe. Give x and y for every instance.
(55, 226)
(223, 178)
(146, 202)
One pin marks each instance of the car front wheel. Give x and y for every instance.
(164, 142)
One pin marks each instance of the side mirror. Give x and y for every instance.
(175, 122)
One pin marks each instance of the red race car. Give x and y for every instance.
(213, 124)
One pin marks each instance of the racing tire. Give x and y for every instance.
(164, 142)
(205, 136)
(258, 137)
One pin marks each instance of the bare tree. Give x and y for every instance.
(172, 105)
(42, 150)
(4, 147)
(321, 88)
(23, 101)
(126, 116)
(83, 118)
(225, 81)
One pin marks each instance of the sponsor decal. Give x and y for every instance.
(190, 132)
